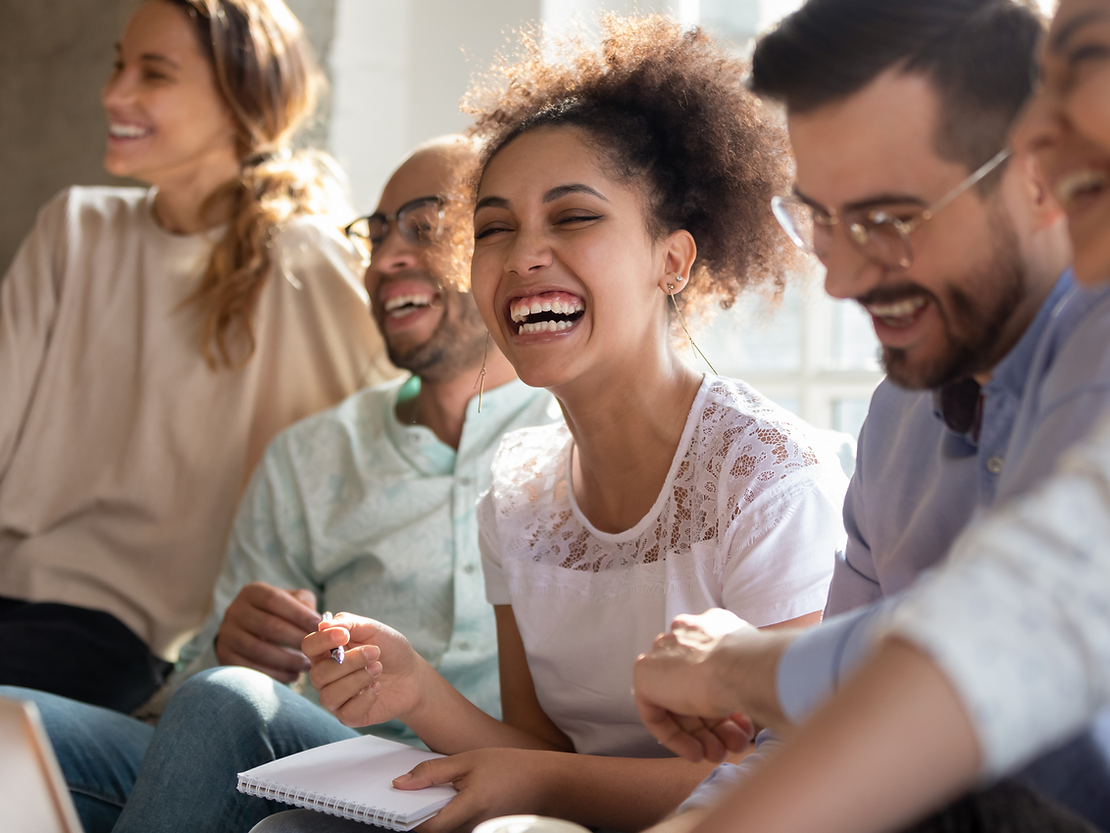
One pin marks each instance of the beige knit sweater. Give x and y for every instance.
(122, 454)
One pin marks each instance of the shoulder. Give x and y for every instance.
(1082, 355)
(358, 422)
(308, 240)
(897, 414)
(752, 443)
(84, 208)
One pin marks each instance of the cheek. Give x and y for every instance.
(1090, 111)
(483, 284)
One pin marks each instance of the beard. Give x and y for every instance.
(976, 309)
(457, 344)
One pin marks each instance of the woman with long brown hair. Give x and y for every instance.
(152, 341)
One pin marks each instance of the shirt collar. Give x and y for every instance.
(958, 404)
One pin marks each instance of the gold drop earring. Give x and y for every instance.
(480, 382)
(682, 321)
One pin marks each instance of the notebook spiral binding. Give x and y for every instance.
(351, 810)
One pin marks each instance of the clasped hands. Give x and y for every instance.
(690, 687)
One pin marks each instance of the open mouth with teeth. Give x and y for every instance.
(128, 131)
(547, 312)
(400, 306)
(901, 313)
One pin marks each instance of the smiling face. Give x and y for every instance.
(958, 308)
(1067, 127)
(565, 272)
(429, 329)
(166, 117)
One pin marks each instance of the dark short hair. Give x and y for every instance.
(978, 54)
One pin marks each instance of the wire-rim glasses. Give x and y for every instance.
(419, 221)
(880, 236)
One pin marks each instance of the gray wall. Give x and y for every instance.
(54, 57)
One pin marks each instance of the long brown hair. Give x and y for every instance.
(269, 78)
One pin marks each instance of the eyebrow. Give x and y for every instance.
(153, 56)
(558, 192)
(1068, 30)
(491, 202)
(865, 204)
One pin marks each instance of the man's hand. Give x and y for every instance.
(699, 683)
(263, 628)
(379, 678)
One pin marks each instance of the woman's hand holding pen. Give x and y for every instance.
(379, 677)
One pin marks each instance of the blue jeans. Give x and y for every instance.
(182, 775)
(99, 751)
(219, 723)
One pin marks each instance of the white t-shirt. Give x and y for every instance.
(749, 519)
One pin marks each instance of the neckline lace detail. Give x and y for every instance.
(737, 447)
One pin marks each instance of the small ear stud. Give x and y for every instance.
(670, 288)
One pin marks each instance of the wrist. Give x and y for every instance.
(754, 663)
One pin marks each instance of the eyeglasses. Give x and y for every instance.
(419, 221)
(880, 236)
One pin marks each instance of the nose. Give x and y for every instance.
(848, 272)
(117, 90)
(529, 252)
(394, 253)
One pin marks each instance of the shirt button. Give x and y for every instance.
(994, 464)
(464, 646)
(469, 568)
(464, 481)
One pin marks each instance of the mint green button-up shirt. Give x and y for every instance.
(378, 518)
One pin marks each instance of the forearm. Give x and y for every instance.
(892, 744)
(616, 793)
(448, 723)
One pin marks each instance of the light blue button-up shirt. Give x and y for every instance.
(378, 518)
(918, 483)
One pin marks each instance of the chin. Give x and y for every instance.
(1094, 270)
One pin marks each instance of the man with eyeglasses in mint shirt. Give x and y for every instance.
(898, 113)
(368, 507)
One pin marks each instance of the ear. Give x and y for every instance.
(1043, 208)
(679, 253)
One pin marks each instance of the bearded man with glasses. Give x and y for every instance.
(905, 190)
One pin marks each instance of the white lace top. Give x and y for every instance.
(748, 519)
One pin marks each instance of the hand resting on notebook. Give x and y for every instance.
(497, 769)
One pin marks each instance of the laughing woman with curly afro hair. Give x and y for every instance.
(618, 184)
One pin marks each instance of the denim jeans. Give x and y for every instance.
(219, 723)
(182, 775)
(99, 751)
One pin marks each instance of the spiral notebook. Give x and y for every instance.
(351, 779)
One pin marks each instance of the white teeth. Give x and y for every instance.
(546, 327)
(898, 309)
(520, 310)
(399, 301)
(1076, 184)
(127, 131)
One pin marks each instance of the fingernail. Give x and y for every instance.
(403, 779)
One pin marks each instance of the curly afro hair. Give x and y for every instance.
(666, 108)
